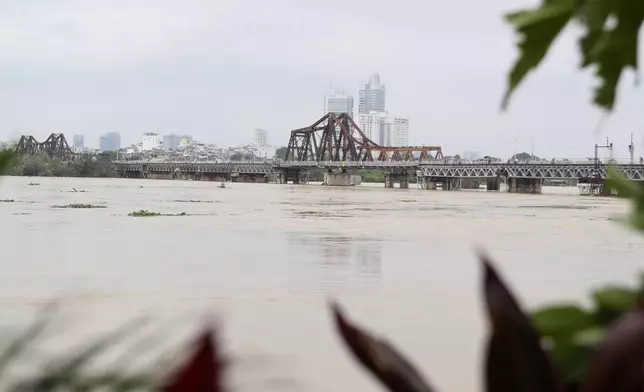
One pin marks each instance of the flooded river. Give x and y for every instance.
(265, 259)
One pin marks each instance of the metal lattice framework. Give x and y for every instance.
(550, 171)
(195, 167)
(336, 137)
(55, 146)
(425, 169)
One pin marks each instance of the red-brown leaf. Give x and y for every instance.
(618, 362)
(203, 370)
(515, 360)
(380, 358)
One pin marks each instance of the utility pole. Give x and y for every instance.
(514, 141)
(597, 147)
(631, 150)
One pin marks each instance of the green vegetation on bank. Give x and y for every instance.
(87, 165)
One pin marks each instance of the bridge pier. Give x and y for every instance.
(401, 177)
(341, 178)
(495, 184)
(524, 185)
(446, 183)
(296, 176)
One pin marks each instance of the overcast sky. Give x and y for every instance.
(218, 69)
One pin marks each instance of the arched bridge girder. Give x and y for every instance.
(336, 137)
(54, 146)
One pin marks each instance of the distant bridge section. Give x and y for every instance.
(206, 171)
(55, 146)
(530, 170)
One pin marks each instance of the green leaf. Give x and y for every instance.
(611, 49)
(571, 359)
(6, 159)
(588, 337)
(631, 190)
(538, 29)
(561, 320)
(615, 298)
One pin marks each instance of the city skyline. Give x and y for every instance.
(167, 69)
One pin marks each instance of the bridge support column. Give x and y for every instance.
(389, 180)
(451, 184)
(524, 185)
(404, 180)
(502, 184)
(401, 177)
(342, 178)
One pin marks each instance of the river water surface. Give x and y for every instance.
(265, 259)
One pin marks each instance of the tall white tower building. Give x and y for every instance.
(150, 141)
(261, 138)
(385, 130)
(338, 101)
(371, 96)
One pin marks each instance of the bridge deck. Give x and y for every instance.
(423, 168)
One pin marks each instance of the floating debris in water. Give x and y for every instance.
(408, 201)
(146, 213)
(195, 201)
(76, 205)
(7, 200)
(34, 183)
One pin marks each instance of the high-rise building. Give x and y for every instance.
(150, 141)
(399, 133)
(371, 96)
(261, 138)
(110, 141)
(171, 142)
(338, 101)
(385, 130)
(79, 141)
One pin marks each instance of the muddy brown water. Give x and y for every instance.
(264, 260)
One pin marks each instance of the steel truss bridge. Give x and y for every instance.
(194, 167)
(424, 169)
(55, 146)
(335, 137)
(532, 170)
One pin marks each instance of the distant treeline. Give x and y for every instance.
(85, 165)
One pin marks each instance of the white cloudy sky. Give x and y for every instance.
(217, 69)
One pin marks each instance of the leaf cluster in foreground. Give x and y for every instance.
(608, 45)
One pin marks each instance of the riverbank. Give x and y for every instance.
(89, 166)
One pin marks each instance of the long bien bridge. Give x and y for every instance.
(338, 146)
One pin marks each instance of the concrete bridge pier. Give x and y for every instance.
(296, 176)
(341, 178)
(401, 177)
(446, 183)
(524, 185)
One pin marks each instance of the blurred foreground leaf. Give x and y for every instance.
(538, 29)
(6, 159)
(203, 370)
(67, 374)
(609, 43)
(515, 360)
(616, 364)
(561, 319)
(379, 357)
(630, 190)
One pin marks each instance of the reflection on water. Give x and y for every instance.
(342, 260)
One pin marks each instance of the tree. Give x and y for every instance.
(281, 152)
